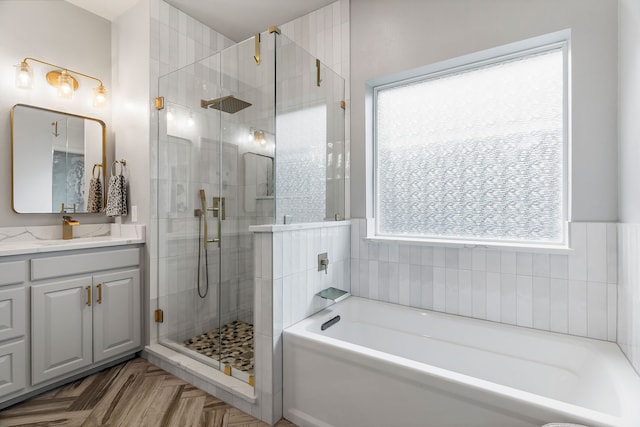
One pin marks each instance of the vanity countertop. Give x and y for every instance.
(29, 240)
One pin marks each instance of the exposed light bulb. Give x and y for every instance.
(65, 85)
(99, 97)
(24, 76)
(258, 136)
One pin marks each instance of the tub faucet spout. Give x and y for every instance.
(333, 294)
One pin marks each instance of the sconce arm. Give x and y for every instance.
(63, 68)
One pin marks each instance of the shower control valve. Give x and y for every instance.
(218, 208)
(323, 262)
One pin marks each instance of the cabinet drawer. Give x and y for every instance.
(68, 265)
(11, 273)
(12, 368)
(12, 313)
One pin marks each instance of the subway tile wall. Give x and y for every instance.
(267, 363)
(629, 292)
(287, 279)
(572, 293)
(177, 39)
(325, 35)
(295, 269)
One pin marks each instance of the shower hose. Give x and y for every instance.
(206, 261)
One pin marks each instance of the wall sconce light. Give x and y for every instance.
(257, 135)
(62, 78)
(65, 83)
(24, 76)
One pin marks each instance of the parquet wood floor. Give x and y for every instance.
(133, 394)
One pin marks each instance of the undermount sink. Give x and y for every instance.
(74, 240)
(24, 240)
(49, 242)
(55, 242)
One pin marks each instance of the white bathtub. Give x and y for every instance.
(388, 365)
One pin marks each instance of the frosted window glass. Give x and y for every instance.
(474, 155)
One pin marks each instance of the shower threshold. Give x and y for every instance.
(174, 358)
(179, 347)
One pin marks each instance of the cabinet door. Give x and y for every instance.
(12, 368)
(60, 328)
(116, 314)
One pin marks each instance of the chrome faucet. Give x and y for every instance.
(67, 227)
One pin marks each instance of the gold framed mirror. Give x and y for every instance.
(54, 157)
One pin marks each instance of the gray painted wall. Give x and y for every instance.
(389, 37)
(629, 111)
(63, 34)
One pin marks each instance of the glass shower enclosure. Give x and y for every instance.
(252, 135)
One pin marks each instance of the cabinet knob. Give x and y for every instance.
(99, 293)
(88, 288)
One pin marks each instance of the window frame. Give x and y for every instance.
(555, 41)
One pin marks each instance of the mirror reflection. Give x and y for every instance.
(55, 156)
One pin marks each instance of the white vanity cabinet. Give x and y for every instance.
(82, 321)
(13, 375)
(66, 313)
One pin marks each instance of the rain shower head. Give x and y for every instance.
(228, 104)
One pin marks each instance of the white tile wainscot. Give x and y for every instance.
(573, 293)
(629, 293)
(286, 282)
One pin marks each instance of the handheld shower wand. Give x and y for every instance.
(203, 233)
(204, 236)
(203, 215)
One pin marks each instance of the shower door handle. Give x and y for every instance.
(218, 212)
(217, 239)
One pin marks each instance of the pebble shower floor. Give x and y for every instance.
(233, 343)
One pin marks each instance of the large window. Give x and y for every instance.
(475, 153)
